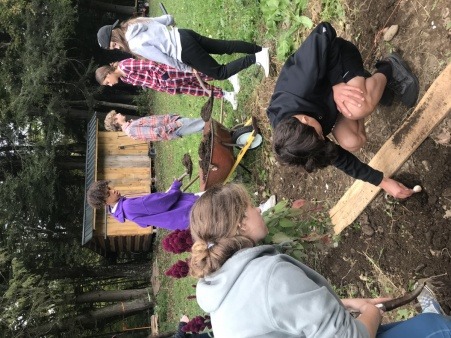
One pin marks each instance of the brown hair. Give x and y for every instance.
(215, 223)
(118, 35)
(109, 122)
(298, 144)
(102, 73)
(97, 194)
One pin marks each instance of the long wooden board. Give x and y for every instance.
(433, 108)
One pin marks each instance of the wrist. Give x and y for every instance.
(383, 183)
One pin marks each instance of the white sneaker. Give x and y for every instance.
(231, 98)
(268, 204)
(262, 59)
(235, 81)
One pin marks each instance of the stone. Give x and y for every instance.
(420, 267)
(391, 32)
(367, 230)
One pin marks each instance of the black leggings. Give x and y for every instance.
(351, 60)
(196, 50)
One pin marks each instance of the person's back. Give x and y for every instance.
(254, 291)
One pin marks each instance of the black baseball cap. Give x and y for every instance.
(104, 35)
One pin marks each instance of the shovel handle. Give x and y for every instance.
(163, 9)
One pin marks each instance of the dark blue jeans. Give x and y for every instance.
(425, 325)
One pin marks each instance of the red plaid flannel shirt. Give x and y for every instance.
(152, 128)
(164, 78)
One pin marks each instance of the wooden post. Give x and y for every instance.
(430, 111)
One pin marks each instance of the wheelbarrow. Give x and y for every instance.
(217, 150)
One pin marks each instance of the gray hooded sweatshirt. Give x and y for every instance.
(261, 293)
(151, 38)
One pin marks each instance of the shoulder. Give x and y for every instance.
(127, 62)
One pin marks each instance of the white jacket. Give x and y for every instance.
(151, 38)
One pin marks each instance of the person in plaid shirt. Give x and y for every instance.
(159, 77)
(154, 128)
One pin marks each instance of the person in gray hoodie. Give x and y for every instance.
(183, 49)
(254, 291)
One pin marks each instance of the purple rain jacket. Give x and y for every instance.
(169, 210)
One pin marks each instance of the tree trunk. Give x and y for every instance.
(164, 335)
(115, 105)
(97, 103)
(78, 114)
(118, 9)
(111, 296)
(100, 272)
(71, 162)
(94, 318)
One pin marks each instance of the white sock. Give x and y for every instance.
(235, 81)
(262, 59)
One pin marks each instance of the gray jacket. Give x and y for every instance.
(151, 38)
(261, 293)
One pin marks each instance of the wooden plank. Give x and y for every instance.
(128, 228)
(430, 111)
(123, 173)
(123, 161)
(112, 150)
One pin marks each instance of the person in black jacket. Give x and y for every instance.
(324, 88)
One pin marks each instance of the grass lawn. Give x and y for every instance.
(248, 20)
(222, 20)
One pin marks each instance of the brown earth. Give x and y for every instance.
(411, 238)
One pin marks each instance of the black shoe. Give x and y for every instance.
(387, 97)
(152, 153)
(404, 83)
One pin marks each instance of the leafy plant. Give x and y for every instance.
(179, 270)
(198, 324)
(285, 14)
(296, 226)
(332, 9)
(403, 314)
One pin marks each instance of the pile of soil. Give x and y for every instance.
(399, 241)
(205, 155)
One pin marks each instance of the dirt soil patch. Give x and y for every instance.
(401, 240)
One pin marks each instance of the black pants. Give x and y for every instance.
(196, 50)
(351, 60)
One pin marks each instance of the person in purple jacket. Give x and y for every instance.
(169, 210)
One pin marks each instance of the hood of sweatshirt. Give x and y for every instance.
(212, 289)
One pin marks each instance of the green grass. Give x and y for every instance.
(218, 19)
(221, 19)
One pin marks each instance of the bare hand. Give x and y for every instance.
(345, 95)
(395, 189)
(184, 319)
(360, 304)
